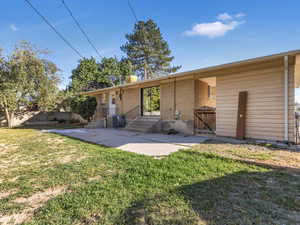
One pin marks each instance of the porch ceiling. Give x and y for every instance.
(211, 81)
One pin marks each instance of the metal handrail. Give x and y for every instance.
(135, 111)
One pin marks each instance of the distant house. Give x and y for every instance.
(247, 99)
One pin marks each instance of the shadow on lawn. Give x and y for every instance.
(239, 198)
(250, 162)
(51, 126)
(268, 145)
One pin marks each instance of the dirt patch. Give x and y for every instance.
(33, 202)
(7, 193)
(14, 179)
(2, 146)
(41, 197)
(6, 148)
(70, 158)
(55, 140)
(94, 218)
(95, 178)
(254, 153)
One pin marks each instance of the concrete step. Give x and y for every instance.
(146, 123)
(142, 124)
(137, 129)
(148, 119)
(91, 125)
(203, 131)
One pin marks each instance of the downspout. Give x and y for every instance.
(286, 98)
(175, 106)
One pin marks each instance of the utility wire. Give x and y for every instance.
(54, 29)
(80, 28)
(132, 10)
(144, 36)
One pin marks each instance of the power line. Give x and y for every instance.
(132, 10)
(80, 27)
(54, 29)
(143, 33)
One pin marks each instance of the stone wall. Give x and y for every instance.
(44, 118)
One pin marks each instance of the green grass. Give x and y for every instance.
(108, 186)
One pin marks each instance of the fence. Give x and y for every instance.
(205, 120)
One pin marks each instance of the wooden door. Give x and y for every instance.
(241, 116)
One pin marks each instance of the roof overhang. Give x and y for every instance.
(183, 75)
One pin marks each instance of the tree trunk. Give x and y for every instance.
(9, 118)
(145, 73)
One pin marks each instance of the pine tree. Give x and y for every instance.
(148, 52)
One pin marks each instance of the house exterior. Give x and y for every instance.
(267, 110)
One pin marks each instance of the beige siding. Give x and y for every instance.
(265, 107)
(185, 98)
(102, 104)
(201, 95)
(292, 104)
(184, 93)
(167, 101)
(119, 103)
(130, 99)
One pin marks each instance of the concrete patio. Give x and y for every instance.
(152, 144)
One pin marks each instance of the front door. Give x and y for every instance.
(151, 101)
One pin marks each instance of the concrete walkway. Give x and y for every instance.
(141, 143)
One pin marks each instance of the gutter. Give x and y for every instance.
(286, 98)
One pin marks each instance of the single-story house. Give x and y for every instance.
(254, 98)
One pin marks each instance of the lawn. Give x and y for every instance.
(50, 179)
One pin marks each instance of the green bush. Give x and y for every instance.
(84, 106)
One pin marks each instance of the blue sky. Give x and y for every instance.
(199, 33)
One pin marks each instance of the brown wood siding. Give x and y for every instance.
(265, 107)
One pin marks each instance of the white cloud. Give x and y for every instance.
(224, 17)
(225, 23)
(227, 16)
(240, 15)
(13, 27)
(212, 30)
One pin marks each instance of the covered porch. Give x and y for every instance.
(249, 99)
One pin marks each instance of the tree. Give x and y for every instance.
(86, 76)
(148, 52)
(48, 95)
(151, 99)
(26, 80)
(90, 75)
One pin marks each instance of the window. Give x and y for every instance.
(211, 92)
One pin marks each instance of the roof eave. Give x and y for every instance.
(186, 73)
